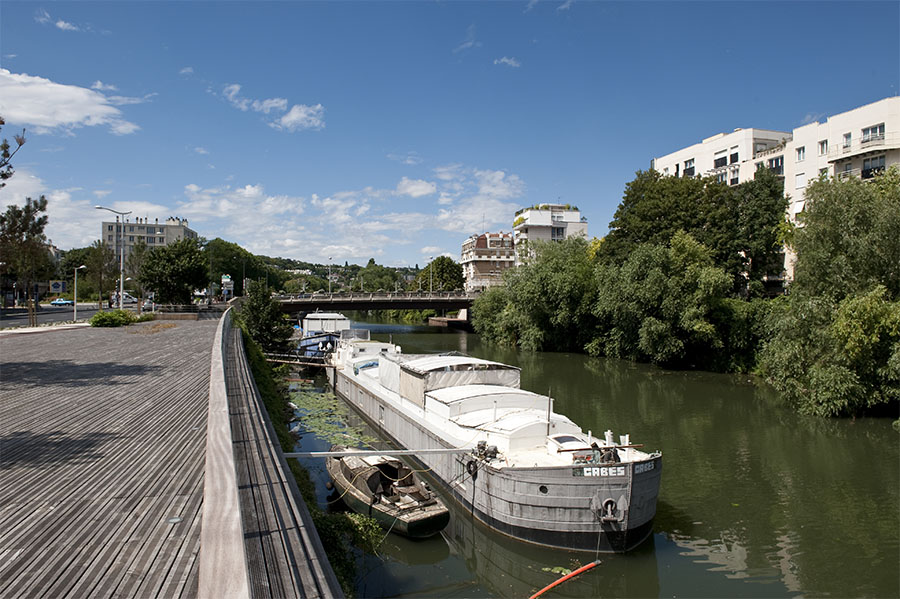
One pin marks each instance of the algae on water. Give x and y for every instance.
(326, 416)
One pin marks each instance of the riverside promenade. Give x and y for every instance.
(119, 475)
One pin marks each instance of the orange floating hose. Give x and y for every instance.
(565, 578)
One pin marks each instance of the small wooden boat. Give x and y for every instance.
(386, 489)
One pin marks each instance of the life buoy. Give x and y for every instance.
(472, 468)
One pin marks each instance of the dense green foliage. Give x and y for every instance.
(264, 320)
(740, 225)
(441, 274)
(23, 244)
(835, 348)
(113, 318)
(677, 281)
(174, 271)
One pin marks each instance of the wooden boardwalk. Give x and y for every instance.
(102, 452)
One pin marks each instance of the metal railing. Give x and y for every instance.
(888, 140)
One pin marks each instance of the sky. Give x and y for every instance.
(346, 131)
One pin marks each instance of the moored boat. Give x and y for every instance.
(388, 490)
(320, 333)
(525, 470)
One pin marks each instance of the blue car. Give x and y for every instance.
(62, 302)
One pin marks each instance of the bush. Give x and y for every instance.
(113, 318)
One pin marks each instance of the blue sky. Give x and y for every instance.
(394, 130)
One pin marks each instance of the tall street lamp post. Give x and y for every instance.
(121, 250)
(75, 303)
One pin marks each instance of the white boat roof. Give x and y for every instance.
(325, 316)
(450, 395)
(430, 363)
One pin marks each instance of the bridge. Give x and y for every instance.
(310, 302)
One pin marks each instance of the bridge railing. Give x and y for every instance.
(375, 295)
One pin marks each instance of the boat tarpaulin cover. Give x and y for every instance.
(412, 376)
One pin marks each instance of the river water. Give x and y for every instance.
(755, 501)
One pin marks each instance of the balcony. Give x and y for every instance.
(861, 145)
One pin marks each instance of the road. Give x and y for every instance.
(47, 314)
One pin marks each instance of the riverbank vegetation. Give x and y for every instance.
(682, 281)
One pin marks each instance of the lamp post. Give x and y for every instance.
(75, 303)
(121, 251)
(430, 275)
(329, 274)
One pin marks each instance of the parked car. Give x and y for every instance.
(62, 302)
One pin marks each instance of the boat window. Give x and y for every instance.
(566, 439)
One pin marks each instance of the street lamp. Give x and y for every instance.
(431, 274)
(75, 303)
(122, 252)
(329, 274)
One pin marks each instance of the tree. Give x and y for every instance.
(102, 266)
(6, 169)
(658, 305)
(266, 323)
(835, 346)
(229, 258)
(447, 275)
(546, 303)
(23, 244)
(174, 271)
(375, 276)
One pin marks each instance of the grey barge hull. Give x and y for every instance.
(576, 507)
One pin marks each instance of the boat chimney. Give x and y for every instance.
(609, 437)
(624, 439)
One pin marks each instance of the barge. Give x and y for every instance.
(530, 473)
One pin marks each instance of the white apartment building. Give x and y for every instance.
(859, 142)
(547, 222)
(123, 235)
(485, 257)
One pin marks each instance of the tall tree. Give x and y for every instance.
(447, 275)
(23, 244)
(265, 321)
(836, 343)
(102, 268)
(231, 259)
(134, 264)
(174, 271)
(6, 169)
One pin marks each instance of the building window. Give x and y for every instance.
(109, 227)
(161, 240)
(776, 164)
(557, 233)
(759, 165)
(720, 159)
(734, 158)
(800, 180)
(151, 239)
(872, 166)
(875, 132)
(801, 153)
(823, 147)
(848, 167)
(823, 172)
(131, 229)
(734, 176)
(131, 238)
(721, 177)
(109, 237)
(689, 168)
(847, 140)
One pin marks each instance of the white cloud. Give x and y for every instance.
(448, 172)
(127, 100)
(48, 106)
(201, 151)
(186, 71)
(66, 26)
(302, 117)
(42, 16)
(510, 62)
(565, 5)
(266, 106)
(299, 117)
(531, 5)
(101, 193)
(100, 86)
(415, 188)
(431, 250)
(409, 159)
(469, 42)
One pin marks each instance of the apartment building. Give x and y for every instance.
(857, 143)
(485, 257)
(125, 234)
(546, 222)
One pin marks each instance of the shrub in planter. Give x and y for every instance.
(113, 318)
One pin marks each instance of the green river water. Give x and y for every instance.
(755, 501)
